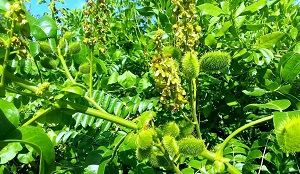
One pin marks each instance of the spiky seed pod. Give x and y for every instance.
(219, 167)
(84, 68)
(144, 139)
(159, 161)
(186, 129)
(45, 47)
(190, 65)
(191, 146)
(48, 63)
(68, 36)
(43, 88)
(288, 135)
(170, 145)
(214, 61)
(142, 154)
(171, 129)
(74, 48)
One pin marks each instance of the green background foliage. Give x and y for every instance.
(90, 122)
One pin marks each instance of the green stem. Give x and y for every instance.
(219, 152)
(193, 94)
(63, 62)
(96, 113)
(19, 81)
(91, 73)
(93, 102)
(39, 114)
(7, 52)
(232, 169)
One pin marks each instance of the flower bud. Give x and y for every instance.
(74, 48)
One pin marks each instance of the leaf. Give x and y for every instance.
(39, 140)
(254, 92)
(254, 7)
(280, 117)
(254, 154)
(44, 28)
(113, 78)
(127, 79)
(210, 9)
(145, 118)
(224, 28)
(146, 11)
(74, 89)
(9, 152)
(270, 39)
(4, 6)
(188, 171)
(210, 40)
(289, 66)
(268, 55)
(34, 48)
(275, 105)
(9, 118)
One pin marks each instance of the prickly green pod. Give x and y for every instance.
(159, 161)
(45, 47)
(288, 135)
(190, 65)
(130, 140)
(214, 61)
(48, 63)
(43, 88)
(219, 167)
(171, 129)
(68, 36)
(84, 68)
(186, 128)
(191, 146)
(142, 154)
(144, 139)
(74, 48)
(170, 145)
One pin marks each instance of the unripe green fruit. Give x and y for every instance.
(68, 35)
(191, 146)
(219, 167)
(144, 139)
(159, 161)
(142, 154)
(190, 65)
(84, 68)
(171, 129)
(45, 47)
(186, 128)
(170, 145)
(74, 48)
(62, 43)
(288, 135)
(48, 63)
(214, 61)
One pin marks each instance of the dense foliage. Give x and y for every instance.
(170, 86)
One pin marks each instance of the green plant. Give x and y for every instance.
(123, 87)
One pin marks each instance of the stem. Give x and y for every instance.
(193, 94)
(7, 52)
(39, 114)
(91, 100)
(19, 81)
(219, 152)
(96, 113)
(232, 169)
(91, 73)
(63, 62)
